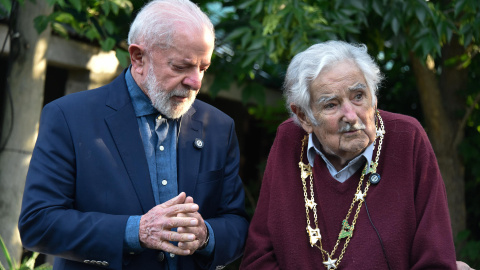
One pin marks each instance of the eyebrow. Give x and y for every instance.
(358, 86)
(325, 99)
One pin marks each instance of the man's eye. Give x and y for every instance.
(329, 106)
(359, 96)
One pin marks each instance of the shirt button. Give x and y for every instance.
(161, 148)
(172, 255)
(164, 182)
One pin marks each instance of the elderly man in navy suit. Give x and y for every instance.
(138, 174)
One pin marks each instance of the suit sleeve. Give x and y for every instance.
(432, 246)
(49, 222)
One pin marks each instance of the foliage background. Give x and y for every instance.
(257, 38)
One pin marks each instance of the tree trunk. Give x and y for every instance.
(442, 131)
(26, 84)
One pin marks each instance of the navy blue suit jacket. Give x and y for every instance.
(89, 173)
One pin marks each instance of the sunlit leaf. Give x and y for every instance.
(60, 29)
(63, 17)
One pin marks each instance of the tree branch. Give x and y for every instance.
(461, 127)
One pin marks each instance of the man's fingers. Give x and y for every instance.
(162, 210)
(173, 236)
(171, 248)
(180, 198)
(184, 208)
(189, 245)
(175, 222)
(189, 200)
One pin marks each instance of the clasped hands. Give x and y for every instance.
(181, 213)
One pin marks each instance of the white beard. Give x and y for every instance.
(162, 99)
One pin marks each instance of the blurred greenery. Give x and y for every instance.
(257, 38)
(27, 264)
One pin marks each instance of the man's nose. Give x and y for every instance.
(349, 113)
(194, 80)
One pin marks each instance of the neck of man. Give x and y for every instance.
(338, 162)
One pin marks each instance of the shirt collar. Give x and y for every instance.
(141, 102)
(313, 149)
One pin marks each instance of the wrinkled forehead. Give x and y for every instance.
(343, 76)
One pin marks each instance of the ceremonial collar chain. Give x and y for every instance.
(347, 230)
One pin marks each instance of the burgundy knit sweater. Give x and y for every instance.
(408, 207)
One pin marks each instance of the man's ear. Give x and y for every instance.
(302, 117)
(137, 58)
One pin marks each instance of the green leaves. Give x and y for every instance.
(104, 22)
(6, 7)
(7, 255)
(27, 264)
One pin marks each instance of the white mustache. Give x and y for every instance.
(348, 127)
(179, 93)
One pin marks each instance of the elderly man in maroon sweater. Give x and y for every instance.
(348, 186)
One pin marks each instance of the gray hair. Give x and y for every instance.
(307, 65)
(155, 24)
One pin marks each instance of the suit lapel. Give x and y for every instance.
(124, 130)
(188, 157)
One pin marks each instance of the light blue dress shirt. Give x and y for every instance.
(159, 137)
(341, 176)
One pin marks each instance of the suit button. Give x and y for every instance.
(160, 256)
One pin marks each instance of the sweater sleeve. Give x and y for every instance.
(432, 246)
(259, 252)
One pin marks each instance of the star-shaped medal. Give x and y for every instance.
(311, 204)
(359, 196)
(380, 132)
(330, 264)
